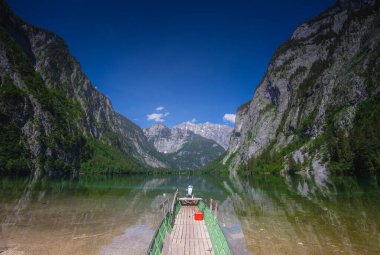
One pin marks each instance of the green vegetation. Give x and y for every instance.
(306, 123)
(13, 154)
(63, 114)
(348, 150)
(100, 158)
(372, 74)
(305, 88)
(357, 151)
(69, 150)
(293, 166)
(62, 147)
(365, 138)
(270, 108)
(338, 145)
(297, 73)
(305, 91)
(266, 162)
(216, 167)
(281, 127)
(285, 66)
(272, 161)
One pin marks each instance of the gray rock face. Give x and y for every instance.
(182, 148)
(323, 66)
(167, 140)
(219, 133)
(94, 117)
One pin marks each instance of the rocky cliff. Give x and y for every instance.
(181, 148)
(52, 119)
(316, 108)
(219, 133)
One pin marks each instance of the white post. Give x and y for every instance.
(216, 210)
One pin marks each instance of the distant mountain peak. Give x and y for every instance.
(182, 148)
(157, 126)
(217, 132)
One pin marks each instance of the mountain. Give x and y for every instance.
(219, 133)
(316, 110)
(53, 121)
(182, 149)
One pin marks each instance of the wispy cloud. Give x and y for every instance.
(159, 115)
(229, 117)
(194, 120)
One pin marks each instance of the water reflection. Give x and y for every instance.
(262, 215)
(93, 215)
(301, 215)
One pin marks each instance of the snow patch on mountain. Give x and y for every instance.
(219, 133)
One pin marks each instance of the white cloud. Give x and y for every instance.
(160, 108)
(157, 117)
(229, 117)
(194, 120)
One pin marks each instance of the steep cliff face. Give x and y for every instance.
(312, 96)
(51, 114)
(182, 149)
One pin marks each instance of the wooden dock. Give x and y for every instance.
(180, 234)
(188, 237)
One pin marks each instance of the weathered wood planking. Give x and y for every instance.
(189, 237)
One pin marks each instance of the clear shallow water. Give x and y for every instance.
(118, 215)
(296, 216)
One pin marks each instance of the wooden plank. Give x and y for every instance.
(201, 247)
(189, 236)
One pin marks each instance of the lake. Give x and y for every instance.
(119, 214)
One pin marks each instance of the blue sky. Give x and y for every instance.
(196, 59)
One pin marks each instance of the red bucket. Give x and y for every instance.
(198, 216)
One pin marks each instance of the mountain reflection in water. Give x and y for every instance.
(118, 215)
(300, 215)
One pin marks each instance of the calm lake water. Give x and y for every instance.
(118, 215)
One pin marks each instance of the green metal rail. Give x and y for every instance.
(157, 243)
(218, 240)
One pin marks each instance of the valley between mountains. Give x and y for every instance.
(314, 112)
(298, 172)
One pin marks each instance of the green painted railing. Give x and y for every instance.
(218, 240)
(176, 211)
(157, 243)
